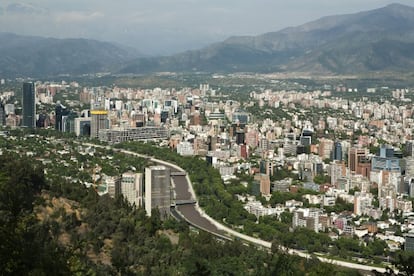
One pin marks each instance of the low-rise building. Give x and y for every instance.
(112, 136)
(308, 218)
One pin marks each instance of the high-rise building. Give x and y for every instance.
(60, 112)
(354, 157)
(361, 202)
(411, 189)
(244, 152)
(43, 121)
(267, 167)
(252, 138)
(158, 190)
(337, 151)
(240, 117)
(83, 126)
(68, 122)
(9, 109)
(113, 185)
(164, 116)
(29, 105)
(2, 115)
(264, 181)
(99, 120)
(386, 151)
(131, 188)
(308, 218)
(386, 160)
(325, 148)
(364, 167)
(239, 137)
(306, 137)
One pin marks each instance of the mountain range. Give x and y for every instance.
(369, 41)
(39, 57)
(376, 40)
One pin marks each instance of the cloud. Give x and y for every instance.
(77, 16)
(23, 8)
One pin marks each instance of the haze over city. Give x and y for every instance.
(166, 27)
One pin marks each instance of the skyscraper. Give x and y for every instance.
(29, 105)
(2, 115)
(354, 157)
(99, 121)
(157, 190)
(337, 151)
(60, 112)
(131, 188)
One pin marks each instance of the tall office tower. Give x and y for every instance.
(157, 190)
(131, 188)
(325, 148)
(337, 171)
(354, 157)
(337, 151)
(99, 120)
(240, 137)
(83, 126)
(29, 105)
(60, 112)
(2, 115)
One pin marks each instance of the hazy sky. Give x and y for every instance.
(167, 26)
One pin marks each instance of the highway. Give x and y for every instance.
(183, 191)
(196, 217)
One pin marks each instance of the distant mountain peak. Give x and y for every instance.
(397, 6)
(375, 40)
(395, 9)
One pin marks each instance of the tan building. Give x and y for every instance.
(354, 157)
(264, 183)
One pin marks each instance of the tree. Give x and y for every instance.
(27, 246)
(404, 261)
(321, 179)
(286, 217)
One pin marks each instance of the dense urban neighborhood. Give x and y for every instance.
(326, 168)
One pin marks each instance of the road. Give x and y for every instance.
(196, 217)
(193, 214)
(190, 212)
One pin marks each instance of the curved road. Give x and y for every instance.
(197, 218)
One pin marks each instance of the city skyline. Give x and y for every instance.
(165, 27)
